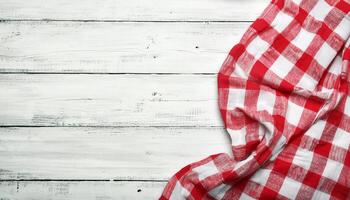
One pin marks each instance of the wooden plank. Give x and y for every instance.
(223, 10)
(104, 153)
(108, 100)
(91, 190)
(75, 47)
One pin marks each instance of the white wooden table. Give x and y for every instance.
(107, 99)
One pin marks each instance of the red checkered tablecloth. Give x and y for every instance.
(285, 102)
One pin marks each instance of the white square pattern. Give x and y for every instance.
(316, 130)
(303, 39)
(257, 47)
(336, 65)
(268, 130)
(294, 113)
(281, 66)
(320, 195)
(332, 170)
(206, 170)
(320, 10)
(343, 28)
(325, 55)
(239, 72)
(179, 192)
(307, 82)
(281, 21)
(297, 1)
(237, 136)
(261, 176)
(303, 158)
(341, 139)
(266, 101)
(236, 98)
(219, 191)
(290, 188)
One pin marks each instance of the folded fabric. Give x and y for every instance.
(285, 102)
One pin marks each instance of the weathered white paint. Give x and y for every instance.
(77, 47)
(133, 153)
(134, 36)
(91, 190)
(108, 100)
(145, 10)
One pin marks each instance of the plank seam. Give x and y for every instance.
(84, 180)
(125, 21)
(43, 126)
(109, 73)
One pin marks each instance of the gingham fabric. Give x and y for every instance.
(284, 100)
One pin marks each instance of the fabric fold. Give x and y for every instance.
(284, 100)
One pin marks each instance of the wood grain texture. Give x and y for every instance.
(159, 10)
(104, 153)
(76, 47)
(87, 190)
(108, 100)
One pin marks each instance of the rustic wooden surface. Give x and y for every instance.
(107, 99)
